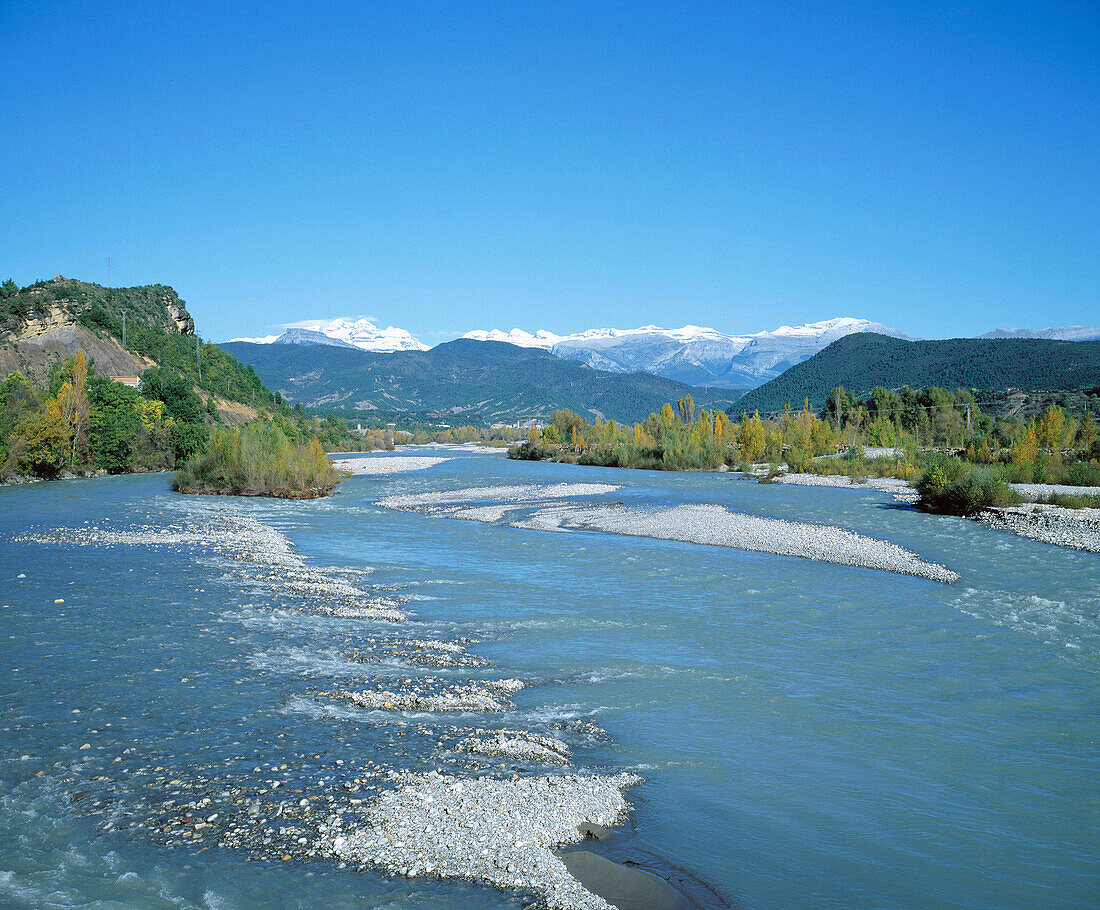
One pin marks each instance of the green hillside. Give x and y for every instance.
(863, 361)
(158, 326)
(61, 411)
(470, 381)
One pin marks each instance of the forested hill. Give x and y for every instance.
(861, 362)
(62, 410)
(476, 381)
(43, 323)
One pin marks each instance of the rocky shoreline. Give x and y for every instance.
(1077, 529)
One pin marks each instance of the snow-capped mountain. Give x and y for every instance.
(366, 335)
(344, 333)
(310, 336)
(1067, 333)
(262, 339)
(693, 354)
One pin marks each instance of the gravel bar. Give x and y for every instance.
(501, 832)
(519, 745)
(1075, 528)
(386, 464)
(488, 696)
(711, 524)
(902, 490)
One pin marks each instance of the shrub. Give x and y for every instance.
(952, 486)
(259, 460)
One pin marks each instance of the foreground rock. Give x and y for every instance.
(500, 832)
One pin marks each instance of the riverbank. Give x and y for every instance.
(1064, 527)
(1078, 529)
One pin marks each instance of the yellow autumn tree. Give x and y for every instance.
(751, 438)
(1026, 447)
(41, 441)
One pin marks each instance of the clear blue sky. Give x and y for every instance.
(443, 167)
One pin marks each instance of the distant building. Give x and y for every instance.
(134, 382)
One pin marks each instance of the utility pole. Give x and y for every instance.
(124, 312)
(968, 418)
(108, 271)
(198, 358)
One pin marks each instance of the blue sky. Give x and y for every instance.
(443, 167)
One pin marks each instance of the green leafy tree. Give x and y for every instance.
(177, 393)
(115, 423)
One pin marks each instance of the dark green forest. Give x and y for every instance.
(987, 365)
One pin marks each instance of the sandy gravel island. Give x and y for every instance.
(501, 832)
(901, 490)
(712, 524)
(386, 464)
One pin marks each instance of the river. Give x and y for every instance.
(808, 734)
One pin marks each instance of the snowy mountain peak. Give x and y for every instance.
(518, 337)
(694, 354)
(361, 333)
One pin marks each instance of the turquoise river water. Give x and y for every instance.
(809, 734)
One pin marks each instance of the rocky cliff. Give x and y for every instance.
(49, 320)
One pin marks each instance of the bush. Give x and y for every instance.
(1083, 474)
(952, 486)
(259, 460)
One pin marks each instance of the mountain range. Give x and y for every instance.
(692, 355)
(461, 381)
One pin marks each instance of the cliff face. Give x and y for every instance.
(48, 341)
(185, 325)
(47, 305)
(50, 320)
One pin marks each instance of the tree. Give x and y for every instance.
(179, 397)
(18, 399)
(76, 408)
(686, 407)
(1049, 429)
(40, 444)
(8, 289)
(116, 423)
(751, 438)
(1026, 448)
(189, 440)
(1086, 433)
